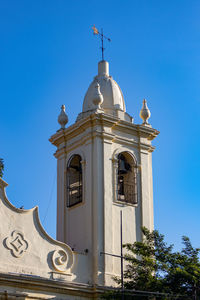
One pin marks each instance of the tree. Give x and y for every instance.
(1, 167)
(184, 274)
(148, 263)
(153, 266)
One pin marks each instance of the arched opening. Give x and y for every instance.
(127, 179)
(74, 181)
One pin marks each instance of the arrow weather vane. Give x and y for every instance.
(102, 36)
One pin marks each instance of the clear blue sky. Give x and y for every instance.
(48, 57)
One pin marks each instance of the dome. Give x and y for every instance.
(112, 95)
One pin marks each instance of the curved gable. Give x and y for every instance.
(26, 248)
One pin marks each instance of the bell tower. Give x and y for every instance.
(104, 166)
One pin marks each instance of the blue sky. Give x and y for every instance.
(48, 57)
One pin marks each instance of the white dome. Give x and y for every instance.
(112, 95)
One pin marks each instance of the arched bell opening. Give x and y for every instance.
(127, 179)
(74, 181)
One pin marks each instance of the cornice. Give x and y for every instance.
(102, 120)
(147, 132)
(36, 283)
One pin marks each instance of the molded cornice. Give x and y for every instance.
(106, 127)
(46, 286)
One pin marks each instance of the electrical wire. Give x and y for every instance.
(50, 198)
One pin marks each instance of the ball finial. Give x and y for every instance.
(62, 118)
(145, 113)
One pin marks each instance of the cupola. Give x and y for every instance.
(113, 99)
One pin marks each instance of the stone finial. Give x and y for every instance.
(145, 113)
(98, 97)
(62, 118)
(103, 68)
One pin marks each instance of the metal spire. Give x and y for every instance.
(102, 36)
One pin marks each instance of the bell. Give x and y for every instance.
(77, 168)
(122, 167)
(121, 185)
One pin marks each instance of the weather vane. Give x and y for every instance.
(102, 36)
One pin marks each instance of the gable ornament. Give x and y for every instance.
(16, 243)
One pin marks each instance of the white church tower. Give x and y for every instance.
(104, 166)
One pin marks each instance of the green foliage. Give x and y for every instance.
(1, 167)
(148, 263)
(153, 266)
(184, 274)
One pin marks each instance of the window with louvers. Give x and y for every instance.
(74, 181)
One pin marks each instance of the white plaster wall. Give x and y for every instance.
(131, 214)
(30, 250)
(97, 210)
(95, 224)
(147, 190)
(108, 207)
(78, 231)
(61, 226)
(78, 218)
(134, 216)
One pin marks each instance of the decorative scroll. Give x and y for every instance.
(60, 260)
(16, 243)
